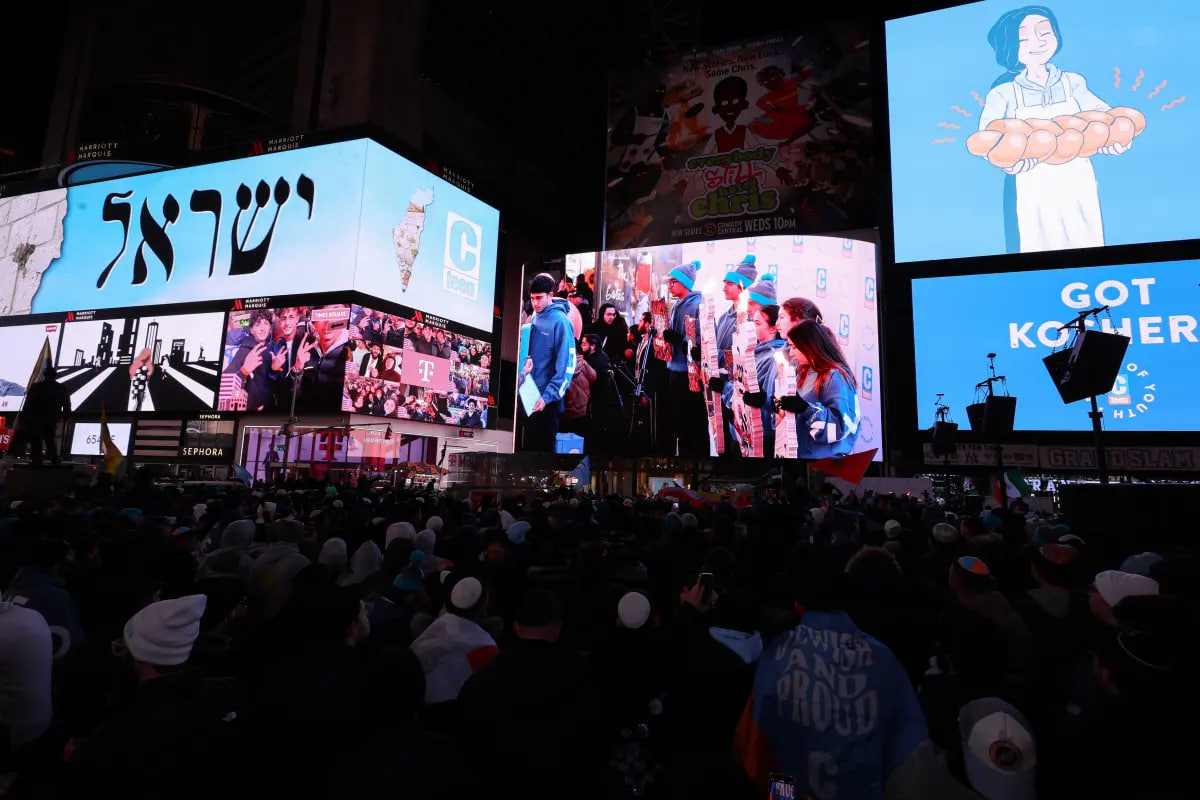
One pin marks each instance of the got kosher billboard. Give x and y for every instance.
(348, 215)
(958, 320)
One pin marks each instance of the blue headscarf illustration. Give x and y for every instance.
(1048, 205)
(1004, 37)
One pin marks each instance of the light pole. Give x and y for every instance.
(297, 376)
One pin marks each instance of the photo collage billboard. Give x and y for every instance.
(419, 368)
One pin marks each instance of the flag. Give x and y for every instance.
(1010, 486)
(108, 448)
(242, 474)
(43, 362)
(849, 468)
(583, 471)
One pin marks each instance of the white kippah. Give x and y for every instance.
(633, 610)
(466, 594)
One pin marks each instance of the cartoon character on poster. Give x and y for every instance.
(1077, 147)
(1042, 126)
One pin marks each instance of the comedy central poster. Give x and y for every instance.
(768, 136)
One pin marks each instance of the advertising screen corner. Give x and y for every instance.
(1022, 322)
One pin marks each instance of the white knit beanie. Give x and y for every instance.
(434, 524)
(163, 633)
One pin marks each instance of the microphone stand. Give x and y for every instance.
(987, 386)
(1095, 415)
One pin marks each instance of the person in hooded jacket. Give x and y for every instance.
(826, 400)
(363, 564)
(40, 586)
(768, 343)
(685, 424)
(550, 362)
(274, 571)
(233, 556)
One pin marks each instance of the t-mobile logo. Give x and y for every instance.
(426, 369)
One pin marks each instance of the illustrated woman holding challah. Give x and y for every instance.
(1044, 120)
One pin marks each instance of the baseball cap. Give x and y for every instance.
(999, 751)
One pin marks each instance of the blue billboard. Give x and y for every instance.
(1045, 127)
(349, 215)
(958, 320)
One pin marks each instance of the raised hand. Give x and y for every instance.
(254, 358)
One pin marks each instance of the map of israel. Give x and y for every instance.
(31, 237)
(407, 235)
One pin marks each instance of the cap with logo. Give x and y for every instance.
(999, 751)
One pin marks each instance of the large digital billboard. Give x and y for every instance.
(20, 348)
(155, 362)
(418, 368)
(425, 243)
(692, 362)
(1044, 127)
(335, 217)
(957, 321)
(768, 135)
(283, 357)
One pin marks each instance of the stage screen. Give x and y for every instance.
(416, 368)
(85, 439)
(272, 353)
(160, 362)
(652, 397)
(1024, 129)
(20, 348)
(333, 217)
(957, 321)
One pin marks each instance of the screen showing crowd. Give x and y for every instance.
(761, 347)
(410, 368)
(278, 359)
(1026, 319)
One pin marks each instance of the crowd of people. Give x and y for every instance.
(377, 327)
(311, 640)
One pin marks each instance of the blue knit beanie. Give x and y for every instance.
(686, 274)
(743, 274)
(763, 292)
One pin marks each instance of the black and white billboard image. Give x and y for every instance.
(165, 362)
